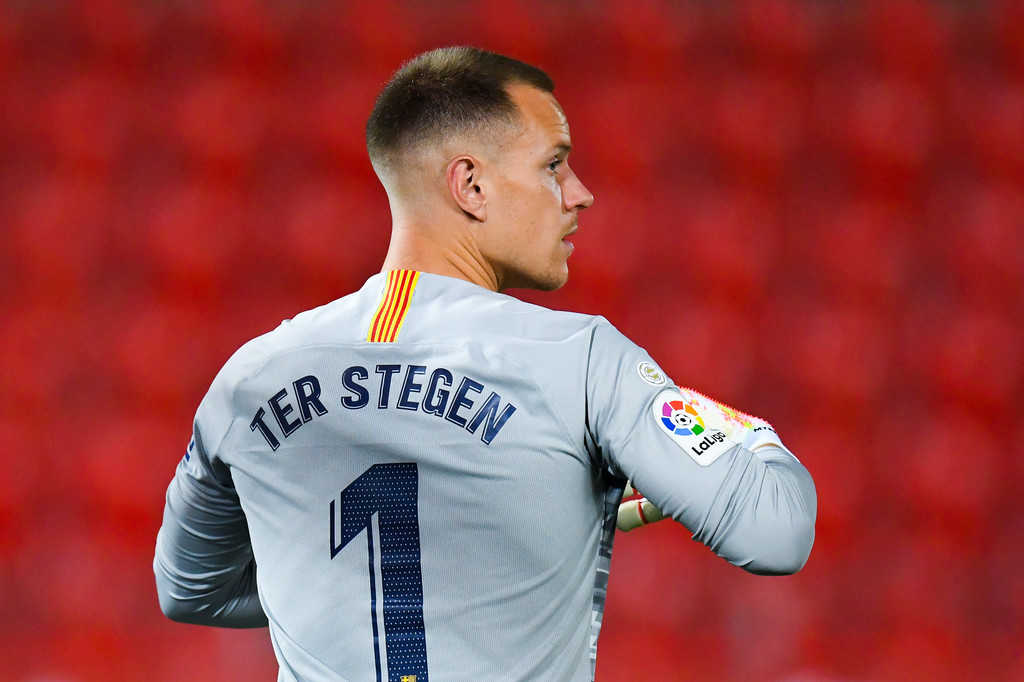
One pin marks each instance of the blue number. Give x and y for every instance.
(391, 492)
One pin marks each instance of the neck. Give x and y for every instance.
(458, 257)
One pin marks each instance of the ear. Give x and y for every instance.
(463, 176)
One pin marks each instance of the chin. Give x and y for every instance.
(554, 282)
(539, 281)
(551, 285)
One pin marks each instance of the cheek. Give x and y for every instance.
(555, 188)
(549, 202)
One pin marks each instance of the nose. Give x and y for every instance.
(575, 194)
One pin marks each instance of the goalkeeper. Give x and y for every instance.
(363, 478)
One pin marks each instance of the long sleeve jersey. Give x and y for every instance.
(421, 478)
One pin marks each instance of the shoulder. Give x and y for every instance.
(306, 328)
(342, 320)
(472, 312)
(303, 332)
(547, 322)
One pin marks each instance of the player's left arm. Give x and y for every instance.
(759, 506)
(204, 566)
(724, 475)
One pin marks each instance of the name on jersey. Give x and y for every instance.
(458, 399)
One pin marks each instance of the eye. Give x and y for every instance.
(553, 166)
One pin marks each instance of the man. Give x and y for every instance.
(363, 478)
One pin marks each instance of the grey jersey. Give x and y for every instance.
(421, 479)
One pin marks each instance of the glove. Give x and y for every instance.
(635, 510)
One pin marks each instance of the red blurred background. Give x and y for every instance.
(813, 210)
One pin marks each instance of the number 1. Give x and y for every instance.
(391, 491)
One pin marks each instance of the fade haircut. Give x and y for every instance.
(446, 92)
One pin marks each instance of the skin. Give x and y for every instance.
(495, 210)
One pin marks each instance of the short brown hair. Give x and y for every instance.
(446, 91)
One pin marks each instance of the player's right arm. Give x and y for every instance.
(734, 486)
(205, 572)
(204, 565)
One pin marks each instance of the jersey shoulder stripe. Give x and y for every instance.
(394, 305)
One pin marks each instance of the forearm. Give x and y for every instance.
(762, 516)
(205, 572)
(754, 509)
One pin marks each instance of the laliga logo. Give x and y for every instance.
(681, 419)
(687, 428)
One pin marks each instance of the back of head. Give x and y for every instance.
(444, 93)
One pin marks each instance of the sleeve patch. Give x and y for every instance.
(650, 373)
(691, 426)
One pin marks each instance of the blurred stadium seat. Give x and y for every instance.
(811, 210)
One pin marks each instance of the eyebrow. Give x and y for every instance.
(561, 148)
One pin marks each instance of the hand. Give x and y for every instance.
(636, 510)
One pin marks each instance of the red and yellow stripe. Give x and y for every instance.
(388, 319)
